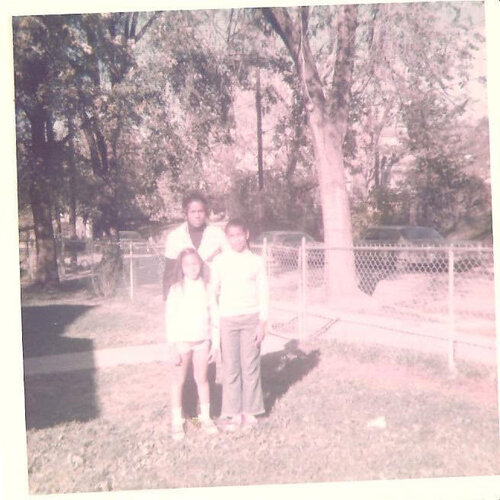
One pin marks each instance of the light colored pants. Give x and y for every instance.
(241, 384)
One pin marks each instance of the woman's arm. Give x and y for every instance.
(170, 328)
(168, 276)
(263, 291)
(263, 296)
(213, 291)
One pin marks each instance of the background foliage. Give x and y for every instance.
(119, 114)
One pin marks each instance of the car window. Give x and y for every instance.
(421, 233)
(381, 234)
(294, 239)
(291, 239)
(130, 235)
(260, 238)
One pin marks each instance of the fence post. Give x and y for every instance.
(131, 272)
(267, 260)
(92, 263)
(300, 315)
(268, 275)
(31, 259)
(303, 279)
(451, 308)
(62, 267)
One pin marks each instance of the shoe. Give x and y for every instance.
(178, 432)
(230, 424)
(208, 426)
(249, 420)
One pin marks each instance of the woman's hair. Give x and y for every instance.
(194, 196)
(179, 274)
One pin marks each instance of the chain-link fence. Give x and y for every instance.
(141, 271)
(139, 266)
(452, 286)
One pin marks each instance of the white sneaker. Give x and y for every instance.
(208, 426)
(230, 424)
(249, 420)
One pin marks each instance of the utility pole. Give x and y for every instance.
(258, 106)
(260, 168)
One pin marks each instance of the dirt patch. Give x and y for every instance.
(396, 369)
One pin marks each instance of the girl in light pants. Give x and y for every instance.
(240, 282)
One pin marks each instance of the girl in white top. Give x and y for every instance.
(192, 336)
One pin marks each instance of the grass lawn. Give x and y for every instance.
(74, 320)
(109, 429)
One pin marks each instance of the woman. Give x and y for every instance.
(194, 233)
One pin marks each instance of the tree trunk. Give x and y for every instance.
(340, 272)
(57, 218)
(72, 196)
(46, 274)
(106, 223)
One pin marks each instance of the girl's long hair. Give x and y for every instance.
(179, 274)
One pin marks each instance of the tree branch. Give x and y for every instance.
(282, 23)
(127, 27)
(133, 25)
(297, 43)
(143, 30)
(344, 63)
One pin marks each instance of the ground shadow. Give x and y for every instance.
(368, 280)
(280, 370)
(190, 403)
(43, 326)
(54, 398)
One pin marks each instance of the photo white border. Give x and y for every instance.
(13, 454)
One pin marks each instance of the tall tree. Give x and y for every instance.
(41, 87)
(108, 103)
(327, 110)
(411, 73)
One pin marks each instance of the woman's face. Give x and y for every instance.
(191, 266)
(196, 214)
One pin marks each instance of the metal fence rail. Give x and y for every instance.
(452, 286)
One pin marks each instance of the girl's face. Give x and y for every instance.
(191, 266)
(196, 214)
(237, 238)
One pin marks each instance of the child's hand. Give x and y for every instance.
(174, 357)
(177, 359)
(260, 332)
(212, 355)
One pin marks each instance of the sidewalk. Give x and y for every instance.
(368, 327)
(102, 358)
(428, 338)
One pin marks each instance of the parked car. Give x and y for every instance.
(141, 244)
(283, 238)
(429, 257)
(73, 244)
(130, 236)
(283, 248)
